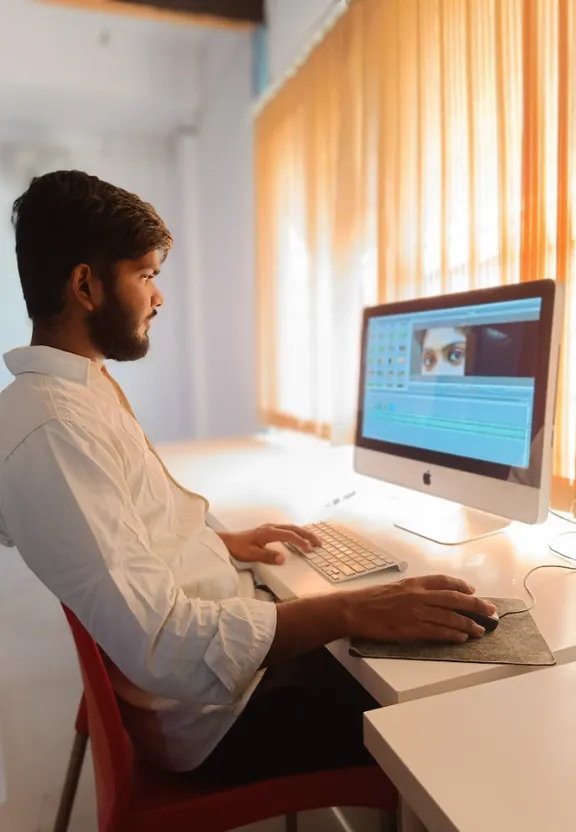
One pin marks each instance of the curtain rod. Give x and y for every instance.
(325, 25)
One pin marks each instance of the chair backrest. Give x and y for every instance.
(112, 751)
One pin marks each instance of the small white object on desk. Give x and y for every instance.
(498, 757)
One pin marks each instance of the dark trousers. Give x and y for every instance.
(304, 716)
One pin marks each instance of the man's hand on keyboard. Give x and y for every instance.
(252, 546)
(416, 609)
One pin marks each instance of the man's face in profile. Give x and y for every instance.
(119, 328)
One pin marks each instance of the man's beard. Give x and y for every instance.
(113, 331)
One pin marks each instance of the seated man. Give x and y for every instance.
(211, 675)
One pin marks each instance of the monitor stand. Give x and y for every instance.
(451, 524)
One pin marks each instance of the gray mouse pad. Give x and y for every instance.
(516, 640)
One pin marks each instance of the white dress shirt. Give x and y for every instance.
(96, 516)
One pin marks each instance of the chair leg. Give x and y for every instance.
(71, 782)
(292, 822)
(388, 821)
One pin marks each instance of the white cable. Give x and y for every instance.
(547, 565)
(557, 551)
(529, 592)
(562, 517)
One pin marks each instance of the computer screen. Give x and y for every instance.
(457, 395)
(457, 381)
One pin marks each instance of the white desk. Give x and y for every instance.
(494, 758)
(249, 482)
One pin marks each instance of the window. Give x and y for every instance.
(435, 152)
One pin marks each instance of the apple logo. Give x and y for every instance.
(427, 478)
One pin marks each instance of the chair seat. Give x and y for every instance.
(172, 801)
(135, 797)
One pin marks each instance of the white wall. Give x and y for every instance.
(117, 110)
(225, 392)
(226, 230)
(292, 24)
(157, 386)
(145, 166)
(99, 76)
(103, 94)
(93, 69)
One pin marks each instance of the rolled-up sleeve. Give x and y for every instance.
(67, 506)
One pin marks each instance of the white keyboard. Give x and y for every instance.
(344, 555)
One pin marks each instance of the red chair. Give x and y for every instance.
(134, 797)
(74, 770)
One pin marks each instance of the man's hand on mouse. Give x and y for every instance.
(416, 609)
(410, 610)
(253, 546)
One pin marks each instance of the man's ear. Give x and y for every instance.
(86, 288)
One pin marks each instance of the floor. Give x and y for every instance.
(39, 694)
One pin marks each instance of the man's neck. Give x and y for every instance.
(66, 341)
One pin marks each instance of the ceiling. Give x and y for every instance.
(209, 12)
(104, 73)
(249, 11)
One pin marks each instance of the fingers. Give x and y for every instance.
(435, 632)
(452, 600)
(453, 621)
(262, 554)
(310, 537)
(445, 582)
(277, 534)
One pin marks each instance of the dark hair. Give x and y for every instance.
(68, 218)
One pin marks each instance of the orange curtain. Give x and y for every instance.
(450, 134)
(316, 196)
(426, 146)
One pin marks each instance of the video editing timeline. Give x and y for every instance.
(459, 381)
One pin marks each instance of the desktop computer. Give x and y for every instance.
(457, 400)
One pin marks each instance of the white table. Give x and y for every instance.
(497, 758)
(250, 481)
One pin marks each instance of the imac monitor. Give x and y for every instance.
(457, 399)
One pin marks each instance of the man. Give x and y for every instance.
(210, 675)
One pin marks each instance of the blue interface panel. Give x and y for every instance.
(459, 381)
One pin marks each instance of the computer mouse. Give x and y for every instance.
(489, 622)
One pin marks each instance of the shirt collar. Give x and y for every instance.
(50, 362)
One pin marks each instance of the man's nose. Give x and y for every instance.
(157, 298)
